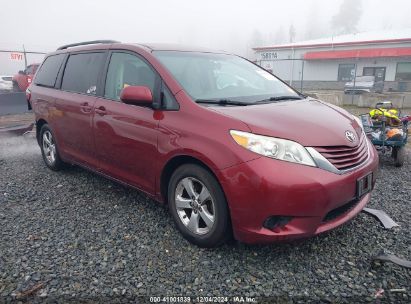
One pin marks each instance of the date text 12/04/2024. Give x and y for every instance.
(200, 299)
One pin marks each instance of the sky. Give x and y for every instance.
(231, 25)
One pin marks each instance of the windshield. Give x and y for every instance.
(210, 76)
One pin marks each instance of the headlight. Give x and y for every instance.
(358, 121)
(277, 148)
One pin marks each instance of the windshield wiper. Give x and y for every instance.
(222, 102)
(280, 98)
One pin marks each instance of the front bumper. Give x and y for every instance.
(264, 187)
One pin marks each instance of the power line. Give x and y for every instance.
(20, 51)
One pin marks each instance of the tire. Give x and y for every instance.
(394, 152)
(204, 220)
(398, 154)
(49, 149)
(16, 87)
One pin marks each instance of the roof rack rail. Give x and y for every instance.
(86, 43)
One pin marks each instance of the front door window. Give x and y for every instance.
(127, 70)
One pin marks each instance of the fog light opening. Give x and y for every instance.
(276, 222)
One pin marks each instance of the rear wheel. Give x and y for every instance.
(49, 149)
(198, 206)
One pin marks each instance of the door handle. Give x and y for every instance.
(101, 111)
(85, 107)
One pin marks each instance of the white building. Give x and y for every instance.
(329, 63)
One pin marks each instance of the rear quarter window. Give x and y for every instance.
(47, 74)
(82, 71)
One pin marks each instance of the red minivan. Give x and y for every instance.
(231, 149)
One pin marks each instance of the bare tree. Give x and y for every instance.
(347, 18)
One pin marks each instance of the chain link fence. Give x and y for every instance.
(350, 82)
(324, 78)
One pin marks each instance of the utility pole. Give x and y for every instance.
(25, 57)
(355, 76)
(292, 68)
(302, 75)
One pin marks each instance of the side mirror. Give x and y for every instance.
(22, 73)
(136, 95)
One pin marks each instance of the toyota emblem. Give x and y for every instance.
(350, 136)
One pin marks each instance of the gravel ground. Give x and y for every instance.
(73, 235)
(16, 119)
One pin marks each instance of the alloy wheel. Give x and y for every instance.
(195, 205)
(49, 147)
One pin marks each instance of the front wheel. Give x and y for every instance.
(198, 206)
(16, 87)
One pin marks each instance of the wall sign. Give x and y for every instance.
(269, 55)
(16, 56)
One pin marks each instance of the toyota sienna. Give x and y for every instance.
(230, 148)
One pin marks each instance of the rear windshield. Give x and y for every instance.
(222, 76)
(47, 74)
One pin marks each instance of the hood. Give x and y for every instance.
(308, 122)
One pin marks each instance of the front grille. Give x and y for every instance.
(337, 212)
(344, 157)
